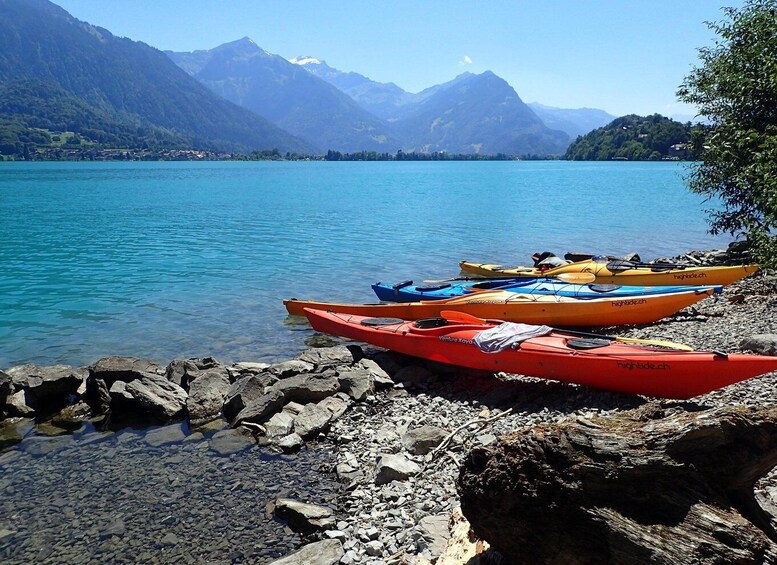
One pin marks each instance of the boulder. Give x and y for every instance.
(116, 368)
(435, 533)
(654, 485)
(357, 384)
(206, 395)
(47, 387)
(281, 424)
(290, 443)
(337, 406)
(312, 420)
(290, 368)
(331, 356)
(326, 552)
(6, 386)
(379, 376)
(394, 467)
(420, 441)
(157, 396)
(302, 517)
(245, 368)
(21, 403)
(763, 344)
(307, 388)
(243, 392)
(262, 408)
(72, 417)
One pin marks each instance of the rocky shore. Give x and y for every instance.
(372, 442)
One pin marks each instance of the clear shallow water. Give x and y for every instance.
(171, 260)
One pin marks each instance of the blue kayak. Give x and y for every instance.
(406, 291)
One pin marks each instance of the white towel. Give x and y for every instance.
(507, 334)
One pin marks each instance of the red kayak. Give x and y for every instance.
(604, 362)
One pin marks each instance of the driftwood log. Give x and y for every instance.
(654, 485)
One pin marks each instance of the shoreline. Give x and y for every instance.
(399, 521)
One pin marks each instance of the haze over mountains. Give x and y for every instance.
(57, 74)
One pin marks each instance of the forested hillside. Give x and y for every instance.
(637, 138)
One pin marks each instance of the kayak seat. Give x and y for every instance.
(430, 287)
(426, 323)
(603, 287)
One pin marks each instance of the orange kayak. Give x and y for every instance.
(600, 363)
(622, 272)
(527, 308)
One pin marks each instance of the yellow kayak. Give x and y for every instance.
(622, 272)
(527, 308)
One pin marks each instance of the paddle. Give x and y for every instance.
(461, 317)
(575, 278)
(618, 265)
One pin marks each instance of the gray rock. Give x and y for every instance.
(9, 434)
(196, 367)
(763, 344)
(307, 388)
(46, 388)
(157, 396)
(357, 384)
(302, 517)
(290, 443)
(165, 435)
(374, 548)
(243, 369)
(394, 467)
(290, 368)
(281, 424)
(379, 376)
(101, 396)
(262, 408)
(119, 392)
(73, 416)
(243, 392)
(21, 403)
(337, 406)
(115, 528)
(176, 372)
(227, 442)
(206, 395)
(116, 368)
(421, 441)
(169, 540)
(6, 386)
(435, 531)
(331, 356)
(311, 420)
(326, 552)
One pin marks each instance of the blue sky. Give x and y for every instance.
(622, 56)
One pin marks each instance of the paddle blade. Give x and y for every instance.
(576, 278)
(454, 316)
(656, 342)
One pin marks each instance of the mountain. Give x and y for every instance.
(573, 122)
(116, 84)
(287, 95)
(636, 138)
(477, 114)
(384, 100)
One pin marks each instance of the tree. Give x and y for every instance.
(735, 88)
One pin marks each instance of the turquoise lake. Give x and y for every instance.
(175, 260)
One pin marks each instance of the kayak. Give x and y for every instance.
(602, 362)
(408, 292)
(527, 308)
(622, 272)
